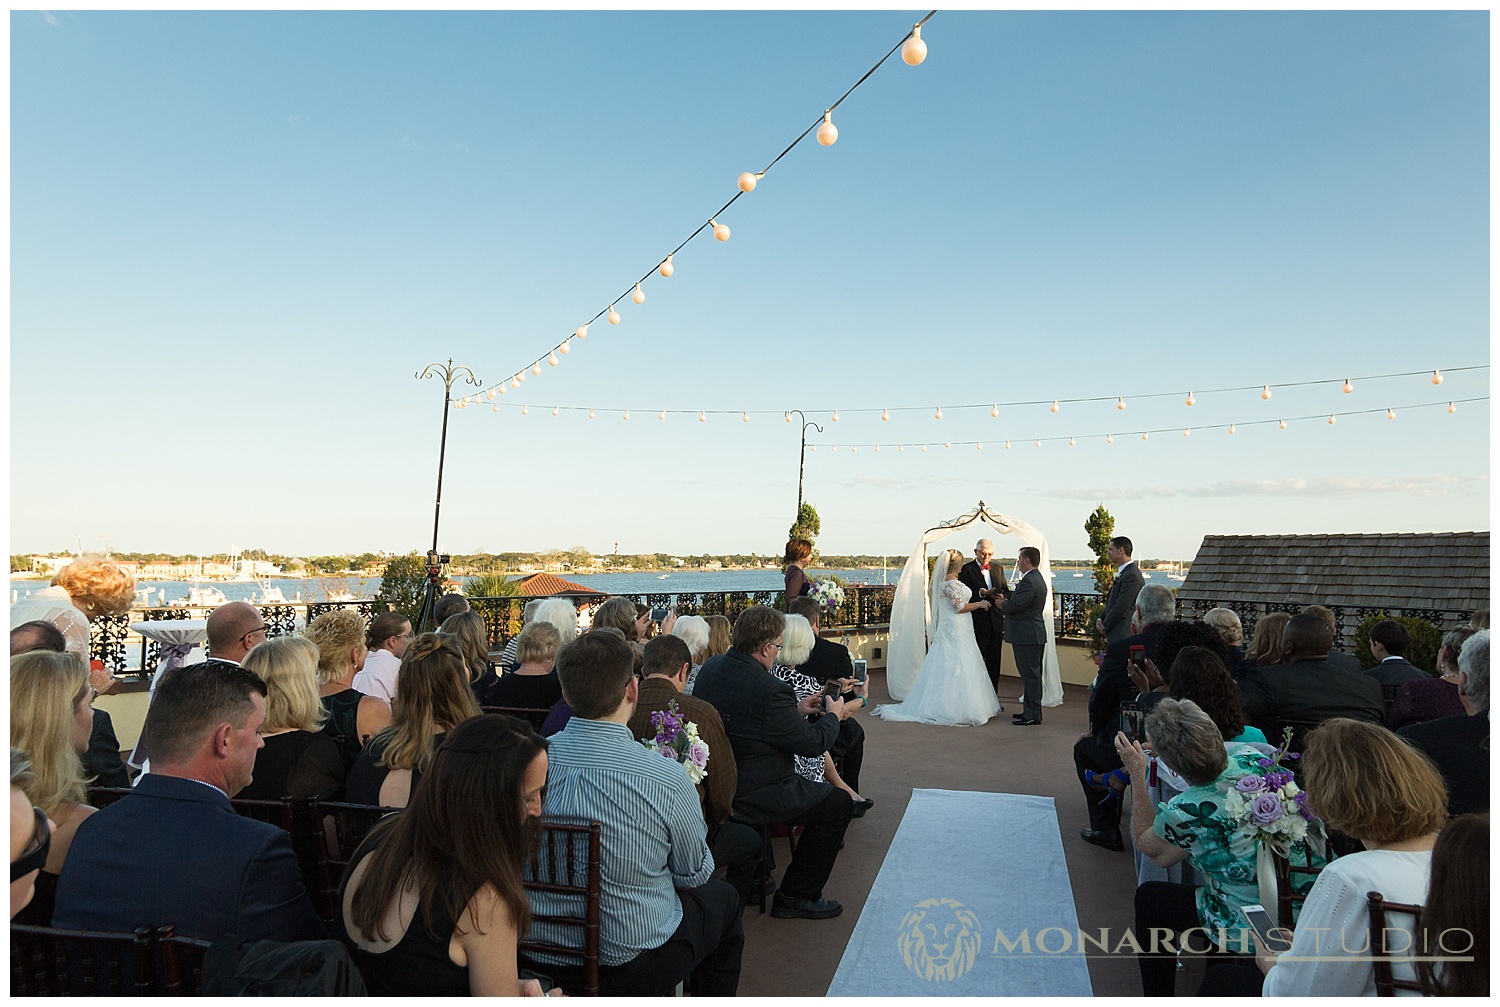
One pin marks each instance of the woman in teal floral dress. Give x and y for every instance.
(1193, 826)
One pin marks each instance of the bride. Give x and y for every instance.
(953, 686)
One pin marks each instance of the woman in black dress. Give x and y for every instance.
(432, 697)
(798, 552)
(298, 759)
(432, 903)
(533, 684)
(352, 716)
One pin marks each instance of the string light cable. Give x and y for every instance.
(913, 51)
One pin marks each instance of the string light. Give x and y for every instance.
(1437, 377)
(1330, 419)
(566, 347)
(536, 368)
(1390, 414)
(490, 394)
(877, 449)
(591, 414)
(1007, 445)
(1054, 405)
(1038, 442)
(1071, 442)
(1452, 408)
(884, 416)
(638, 295)
(855, 448)
(495, 408)
(501, 388)
(1109, 438)
(835, 416)
(901, 448)
(554, 410)
(1282, 424)
(748, 179)
(914, 50)
(614, 316)
(1190, 400)
(515, 381)
(552, 359)
(978, 446)
(662, 415)
(703, 417)
(721, 231)
(1231, 428)
(995, 410)
(1145, 435)
(1348, 386)
(787, 416)
(828, 133)
(938, 414)
(1265, 392)
(525, 411)
(665, 269)
(582, 332)
(924, 448)
(626, 415)
(1120, 404)
(745, 418)
(1186, 432)
(947, 444)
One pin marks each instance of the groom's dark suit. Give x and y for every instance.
(1026, 629)
(989, 626)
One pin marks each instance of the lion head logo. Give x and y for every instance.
(939, 939)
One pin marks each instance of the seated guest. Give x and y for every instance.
(508, 652)
(386, 639)
(693, 631)
(1265, 644)
(661, 918)
(432, 903)
(563, 614)
(173, 850)
(1425, 699)
(532, 683)
(1336, 657)
(1364, 781)
(767, 726)
(829, 660)
(448, 605)
(1094, 751)
(51, 713)
(102, 764)
(1199, 675)
(1192, 826)
(473, 639)
(432, 698)
(1179, 634)
(796, 645)
(1460, 746)
(81, 592)
(736, 847)
(298, 759)
(30, 835)
(719, 637)
(620, 614)
(1480, 619)
(352, 715)
(1227, 622)
(1458, 903)
(1388, 642)
(1305, 687)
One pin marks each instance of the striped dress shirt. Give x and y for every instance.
(652, 836)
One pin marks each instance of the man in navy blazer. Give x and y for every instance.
(174, 851)
(1119, 606)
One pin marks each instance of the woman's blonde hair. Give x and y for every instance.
(1363, 780)
(289, 667)
(1265, 645)
(720, 635)
(432, 696)
(472, 636)
(100, 584)
(540, 641)
(955, 561)
(335, 634)
(45, 690)
(1227, 623)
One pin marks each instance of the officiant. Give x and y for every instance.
(985, 581)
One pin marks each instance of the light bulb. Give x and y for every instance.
(591, 414)
(994, 410)
(552, 359)
(947, 444)
(582, 332)
(901, 448)
(1265, 391)
(877, 449)
(834, 448)
(721, 231)
(978, 445)
(554, 410)
(638, 295)
(495, 408)
(1231, 428)
(745, 417)
(1007, 445)
(828, 133)
(1054, 405)
(1437, 377)
(490, 394)
(1348, 386)
(626, 415)
(1109, 438)
(924, 447)
(835, 416)
(748, 180)
(854, 448)
(614, 316)
(662, 415)
(1452, 408)
(1330, 419)
(536, 368)
(703, 417)
(1120, 403)
(1390, 414)
(1186, 432)
(515, 381)
(501, 388)
(1071, 442)
(914, 50)
(884, 415)
(938, 414)
(812, 447)
(1038, 442)
(1145, 435)
(1281, 424)
(525, 411)
(665, 269)
(566, 347)
(1190, 400)
(787, 417)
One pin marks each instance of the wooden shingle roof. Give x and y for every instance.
(1448, 570)
(545, 585)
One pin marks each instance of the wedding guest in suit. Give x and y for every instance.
(298, 759)
(1119, 606)
(432, 902)
(1094, 751)
(1425, 699)
(174, 850)
(51, 713)
(986, 582)
(387, 637)
(533, 682)
(432, 698)
(1460, 746)
(1306, 687)
(1265, 645)
(826, 661)
(736, 847)
(798, 552)
(661, 917)
(1026, 631)
(1336, 657)
(767, 726)
(340, 638)
(1388, 642)
(81, 592)
(101, 763)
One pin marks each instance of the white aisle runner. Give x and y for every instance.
(973, 899)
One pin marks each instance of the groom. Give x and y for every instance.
(1026, 631)
(985, 582)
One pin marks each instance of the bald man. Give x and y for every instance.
(1306, 687)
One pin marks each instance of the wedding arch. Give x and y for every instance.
(913, 622)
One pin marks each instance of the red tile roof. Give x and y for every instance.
(545, 585)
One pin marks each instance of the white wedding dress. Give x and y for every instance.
(953, 686)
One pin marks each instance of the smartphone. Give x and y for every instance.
(833, 688)
(861, 672)
(1131, 717)
(659, 613)
(1272, 937)
(1138, 656)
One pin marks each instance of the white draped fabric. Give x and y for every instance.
(913, 620)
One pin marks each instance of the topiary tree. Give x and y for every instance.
(403, 585)
(1101, 528)
(807, 524)
(1422, 650)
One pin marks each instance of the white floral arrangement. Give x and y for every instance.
(828, 594)
(677, 739)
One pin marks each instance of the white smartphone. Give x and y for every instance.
(861, 671)
(1272, 937)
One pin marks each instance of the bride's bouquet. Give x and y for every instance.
(677, 739)
(828, 593)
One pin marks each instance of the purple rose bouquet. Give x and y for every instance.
(676, 738)
(828, 593)
(1270, 801)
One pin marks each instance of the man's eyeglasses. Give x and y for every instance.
(262, 629)
(36, 850)
(776, 644)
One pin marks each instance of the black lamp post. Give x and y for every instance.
(802, 458)
(435, 560)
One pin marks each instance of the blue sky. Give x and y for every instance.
(236, 237)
